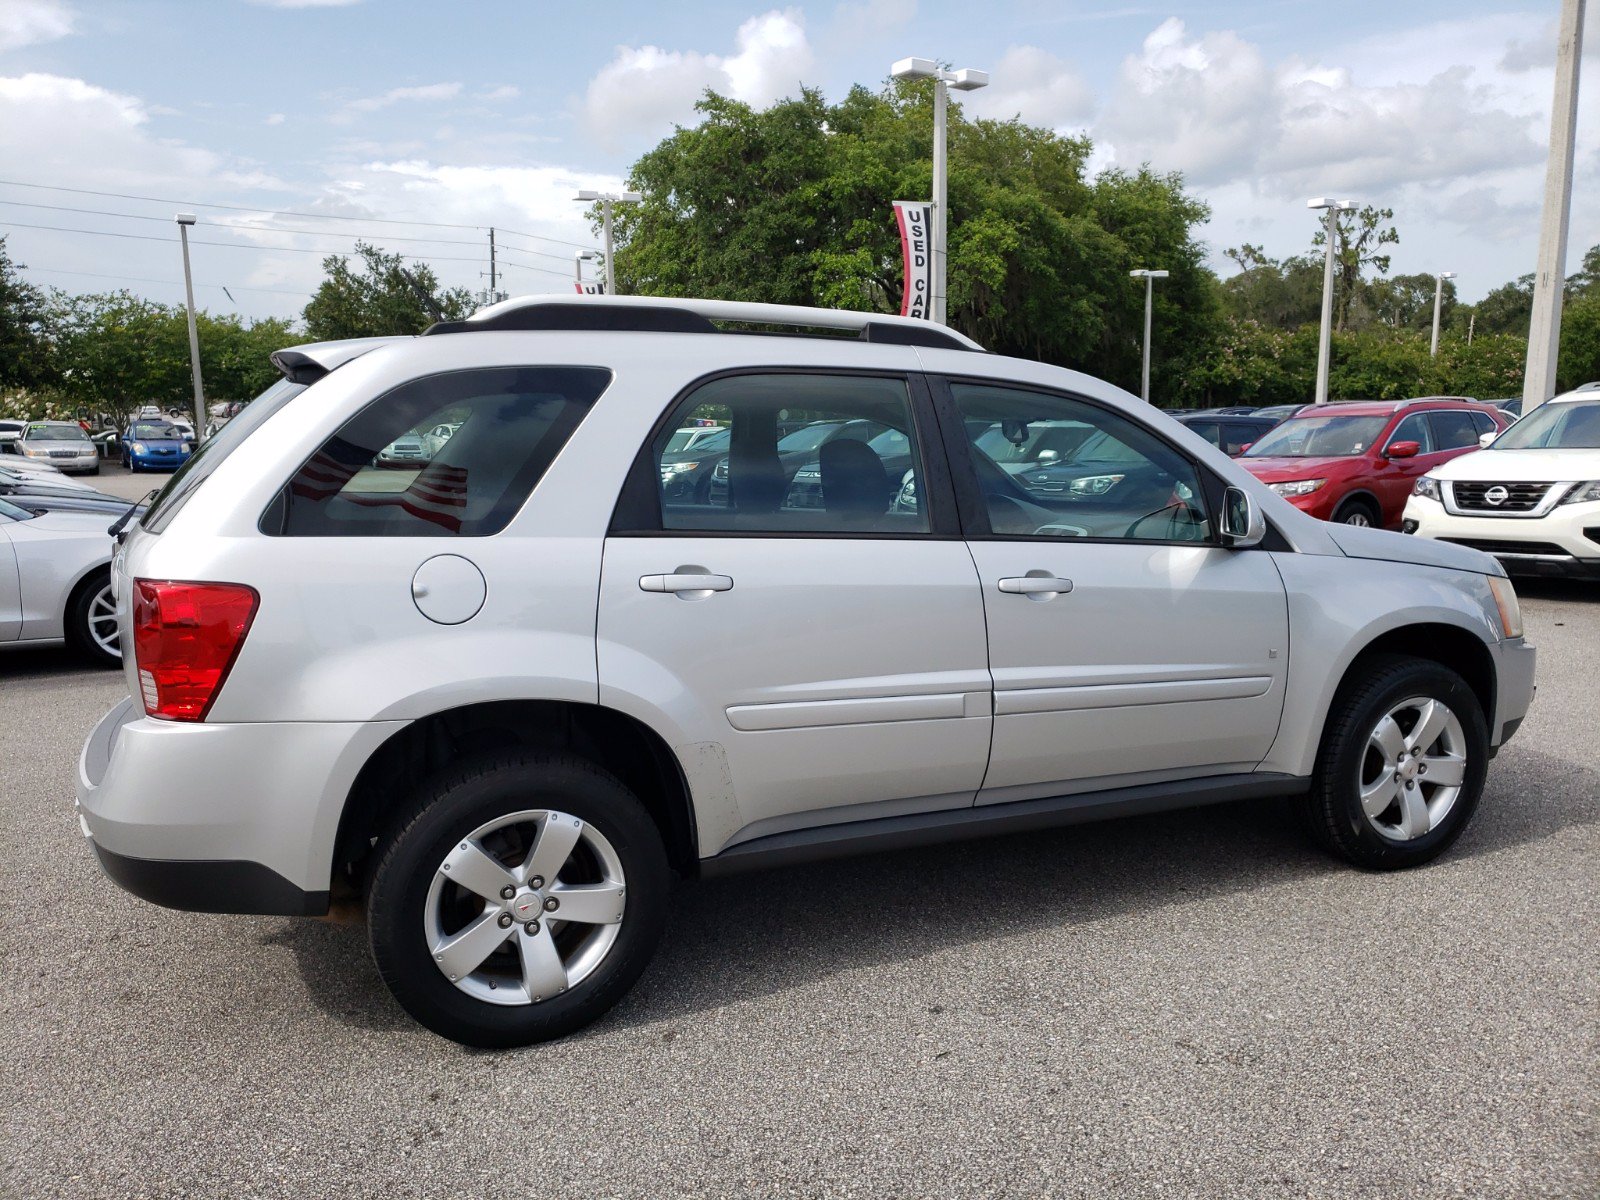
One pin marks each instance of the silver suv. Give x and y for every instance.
(504, 695)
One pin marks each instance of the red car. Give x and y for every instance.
(1356, 462)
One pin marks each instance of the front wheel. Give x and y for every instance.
(1359, 513)
(91, 622)
(1401, 767)
(519, 900)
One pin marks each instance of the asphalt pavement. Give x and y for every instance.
(1195, 1004)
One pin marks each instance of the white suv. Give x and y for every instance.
(1531, 497)
(504, 696)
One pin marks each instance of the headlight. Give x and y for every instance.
(1094, 485)
(138, 447)
(1427, 487)
(1505, 598)
(83, 450)
(32, 451)
(1582, 493)
(668, 470)
(1297, 487)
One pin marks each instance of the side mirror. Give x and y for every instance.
(1243, 524)
(1048, 456)
(1243, 448)
(1485, 438)
(1402, 450)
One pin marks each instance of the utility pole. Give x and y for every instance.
(1325, 336)
(1550, 276)
(1438, 298)
(607, 199)
(1149, 278)
(184, 221)
(493, 297)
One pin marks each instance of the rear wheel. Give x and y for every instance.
(1401, 766)
(91, 621)
(1358, 512)
(518, 900)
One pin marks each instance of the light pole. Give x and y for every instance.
(1325, 338)
(963, 81)
(1149, 278)
(1438, 298)
(607, 199)
(578, 259)
(184, 221)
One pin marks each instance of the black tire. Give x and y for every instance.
(1333, 809)
(458, 801)
(1358, 506)
(78, 634)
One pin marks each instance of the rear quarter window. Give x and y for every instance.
(452, 455)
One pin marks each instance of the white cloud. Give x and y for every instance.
(274, 119)
(645, 89)
(400, 95)
(1038, 86)
(29, 22)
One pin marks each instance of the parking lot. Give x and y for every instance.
(1191, 1004)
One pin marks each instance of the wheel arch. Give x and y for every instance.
(1366, 495)
(627, 747)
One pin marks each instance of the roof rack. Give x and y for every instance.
(653, 315)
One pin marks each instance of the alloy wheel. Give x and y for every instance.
(1413, 769)
(102, 622)
(525, 907)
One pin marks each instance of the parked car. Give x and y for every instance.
(21, 470)
(62, 444)
(1282, 412)
(503, 705)
(10, 435)
(154, 446)
(1230, 434)
(59, 499)
(55, 581)
(1354, 463)
(1531, 498)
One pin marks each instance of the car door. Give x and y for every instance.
(1127, 646)
(10, 588)
(1455, 431)
(1394, 477)
(814, 655)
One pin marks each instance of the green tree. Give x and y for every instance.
(1359, 237)
(1281, 294)
(376, 297)
(27, 358)
(791, 205)
(1406, 302)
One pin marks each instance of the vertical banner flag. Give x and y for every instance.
(590, 287)
(916, 240)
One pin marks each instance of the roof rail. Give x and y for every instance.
(668, 315)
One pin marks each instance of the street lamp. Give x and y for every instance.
(184, 221)
(578, 259)
(1325, 338)
(1438, 297)
(963, 81)
(1149, 278)
(607, 199)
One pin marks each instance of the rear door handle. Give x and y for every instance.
(682, 582)
(1035, 585)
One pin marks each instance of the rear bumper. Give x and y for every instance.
(237, 818)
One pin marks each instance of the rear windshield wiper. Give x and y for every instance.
(122, 521)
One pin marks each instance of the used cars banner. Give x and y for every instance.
(914, 217)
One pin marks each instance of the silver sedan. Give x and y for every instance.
(55, 581)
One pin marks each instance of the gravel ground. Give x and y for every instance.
(1195, 1004)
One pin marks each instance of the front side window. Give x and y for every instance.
(380, 476)
(791, 453)
(1120, 483)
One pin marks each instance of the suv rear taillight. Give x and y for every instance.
(185, 638)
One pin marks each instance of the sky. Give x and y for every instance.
(419, 125)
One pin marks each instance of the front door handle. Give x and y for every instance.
(1036, 585)
(684, 582)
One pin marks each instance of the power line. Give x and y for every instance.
(537, 237)
(100, 212)
(172, 282)
(145, 237)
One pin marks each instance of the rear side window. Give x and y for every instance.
(449, 455)
(1453, 429)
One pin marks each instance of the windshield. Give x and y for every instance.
(808, 438)
(146, 429)
(43, 432)
(702, 437)
(1571, 425)
(208, 457)
(1320, 437)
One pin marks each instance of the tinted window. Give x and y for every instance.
(804, 454)
(1236, 437)
(1453, 430)
(1210, 430)
(1483, 422)
(1122, 482)
(1414, 429)
(374, 478)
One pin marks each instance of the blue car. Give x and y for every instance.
(154, 445)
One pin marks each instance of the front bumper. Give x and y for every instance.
(235, 818)
(1564, 543)
(1514, 688)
